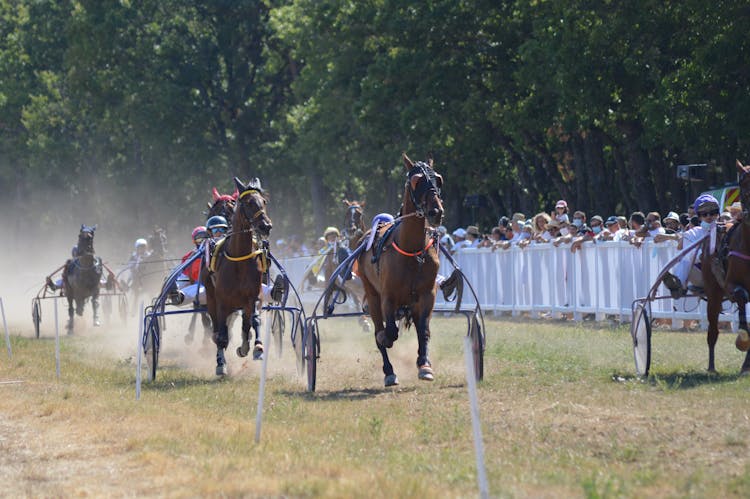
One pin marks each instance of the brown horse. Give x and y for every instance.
(234, 275)
(401, 283)
(737, 281)
(354, 223)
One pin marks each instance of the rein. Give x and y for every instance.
(740, 255)
(417, 253)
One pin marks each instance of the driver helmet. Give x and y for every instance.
(331, 230)
(199, 234)
(141, 243)
(217, 223)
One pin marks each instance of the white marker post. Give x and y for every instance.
(139, 350)
(262, 388)
(57, 343)
(7, 334)
(471, 381)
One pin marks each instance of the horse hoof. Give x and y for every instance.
(743, 341)
(425, 373)
(221, 370)
(188, 339)
(744, 373)
(382, 339)
(243, 349)
(391, 380)
(365, 325)
(258, 352)
(97, 323)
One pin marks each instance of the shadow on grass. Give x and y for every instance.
(678, 380)
(346, 393)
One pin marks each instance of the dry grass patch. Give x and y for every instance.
(562, 416)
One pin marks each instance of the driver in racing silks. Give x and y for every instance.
(187, 283)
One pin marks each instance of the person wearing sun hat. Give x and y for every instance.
(736, 210)
(707, 208)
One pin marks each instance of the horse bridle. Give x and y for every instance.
(259, 214)
(426, 185)
(351, 228)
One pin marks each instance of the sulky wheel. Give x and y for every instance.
(36, 315)
(277, 329)
(477, 347)
(311, 356)
(151, 340)
(640, 330)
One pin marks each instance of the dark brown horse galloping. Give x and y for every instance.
(82, 276)
(737, 282)
(235, 272)
(401, 283)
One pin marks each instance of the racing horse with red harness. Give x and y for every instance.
(400, 281)
(235, 270)
(737, 281)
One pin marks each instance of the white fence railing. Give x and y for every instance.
(602, 278)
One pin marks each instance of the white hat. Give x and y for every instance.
(459, 232)
(672, 216)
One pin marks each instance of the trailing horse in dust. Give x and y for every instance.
(400, 281)
(82, 277)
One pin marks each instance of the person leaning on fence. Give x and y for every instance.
(672, 228)
(445, 239)
(566, 234)
(585, 232)
(459, 237)
(688, 268)
(539, 227)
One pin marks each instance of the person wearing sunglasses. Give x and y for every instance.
(707, 209)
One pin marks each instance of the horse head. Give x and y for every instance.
(157, 241)
(86, 240)
(354, 224)
(250, 210)
(223, 204)
(423, 187)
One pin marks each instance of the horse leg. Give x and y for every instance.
(713, 309)
(69, 325)
(221, 338)
(207, 329)
(423, 338)
(743, 338)
(95, 307)
(250, 318)
(387, 336)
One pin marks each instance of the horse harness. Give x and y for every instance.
(381, 246)
(219, 248)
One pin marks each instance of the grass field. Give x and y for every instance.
(562, 416)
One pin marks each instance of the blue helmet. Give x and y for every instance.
(705, 200)
(216, 221)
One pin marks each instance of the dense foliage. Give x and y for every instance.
(141, 106)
